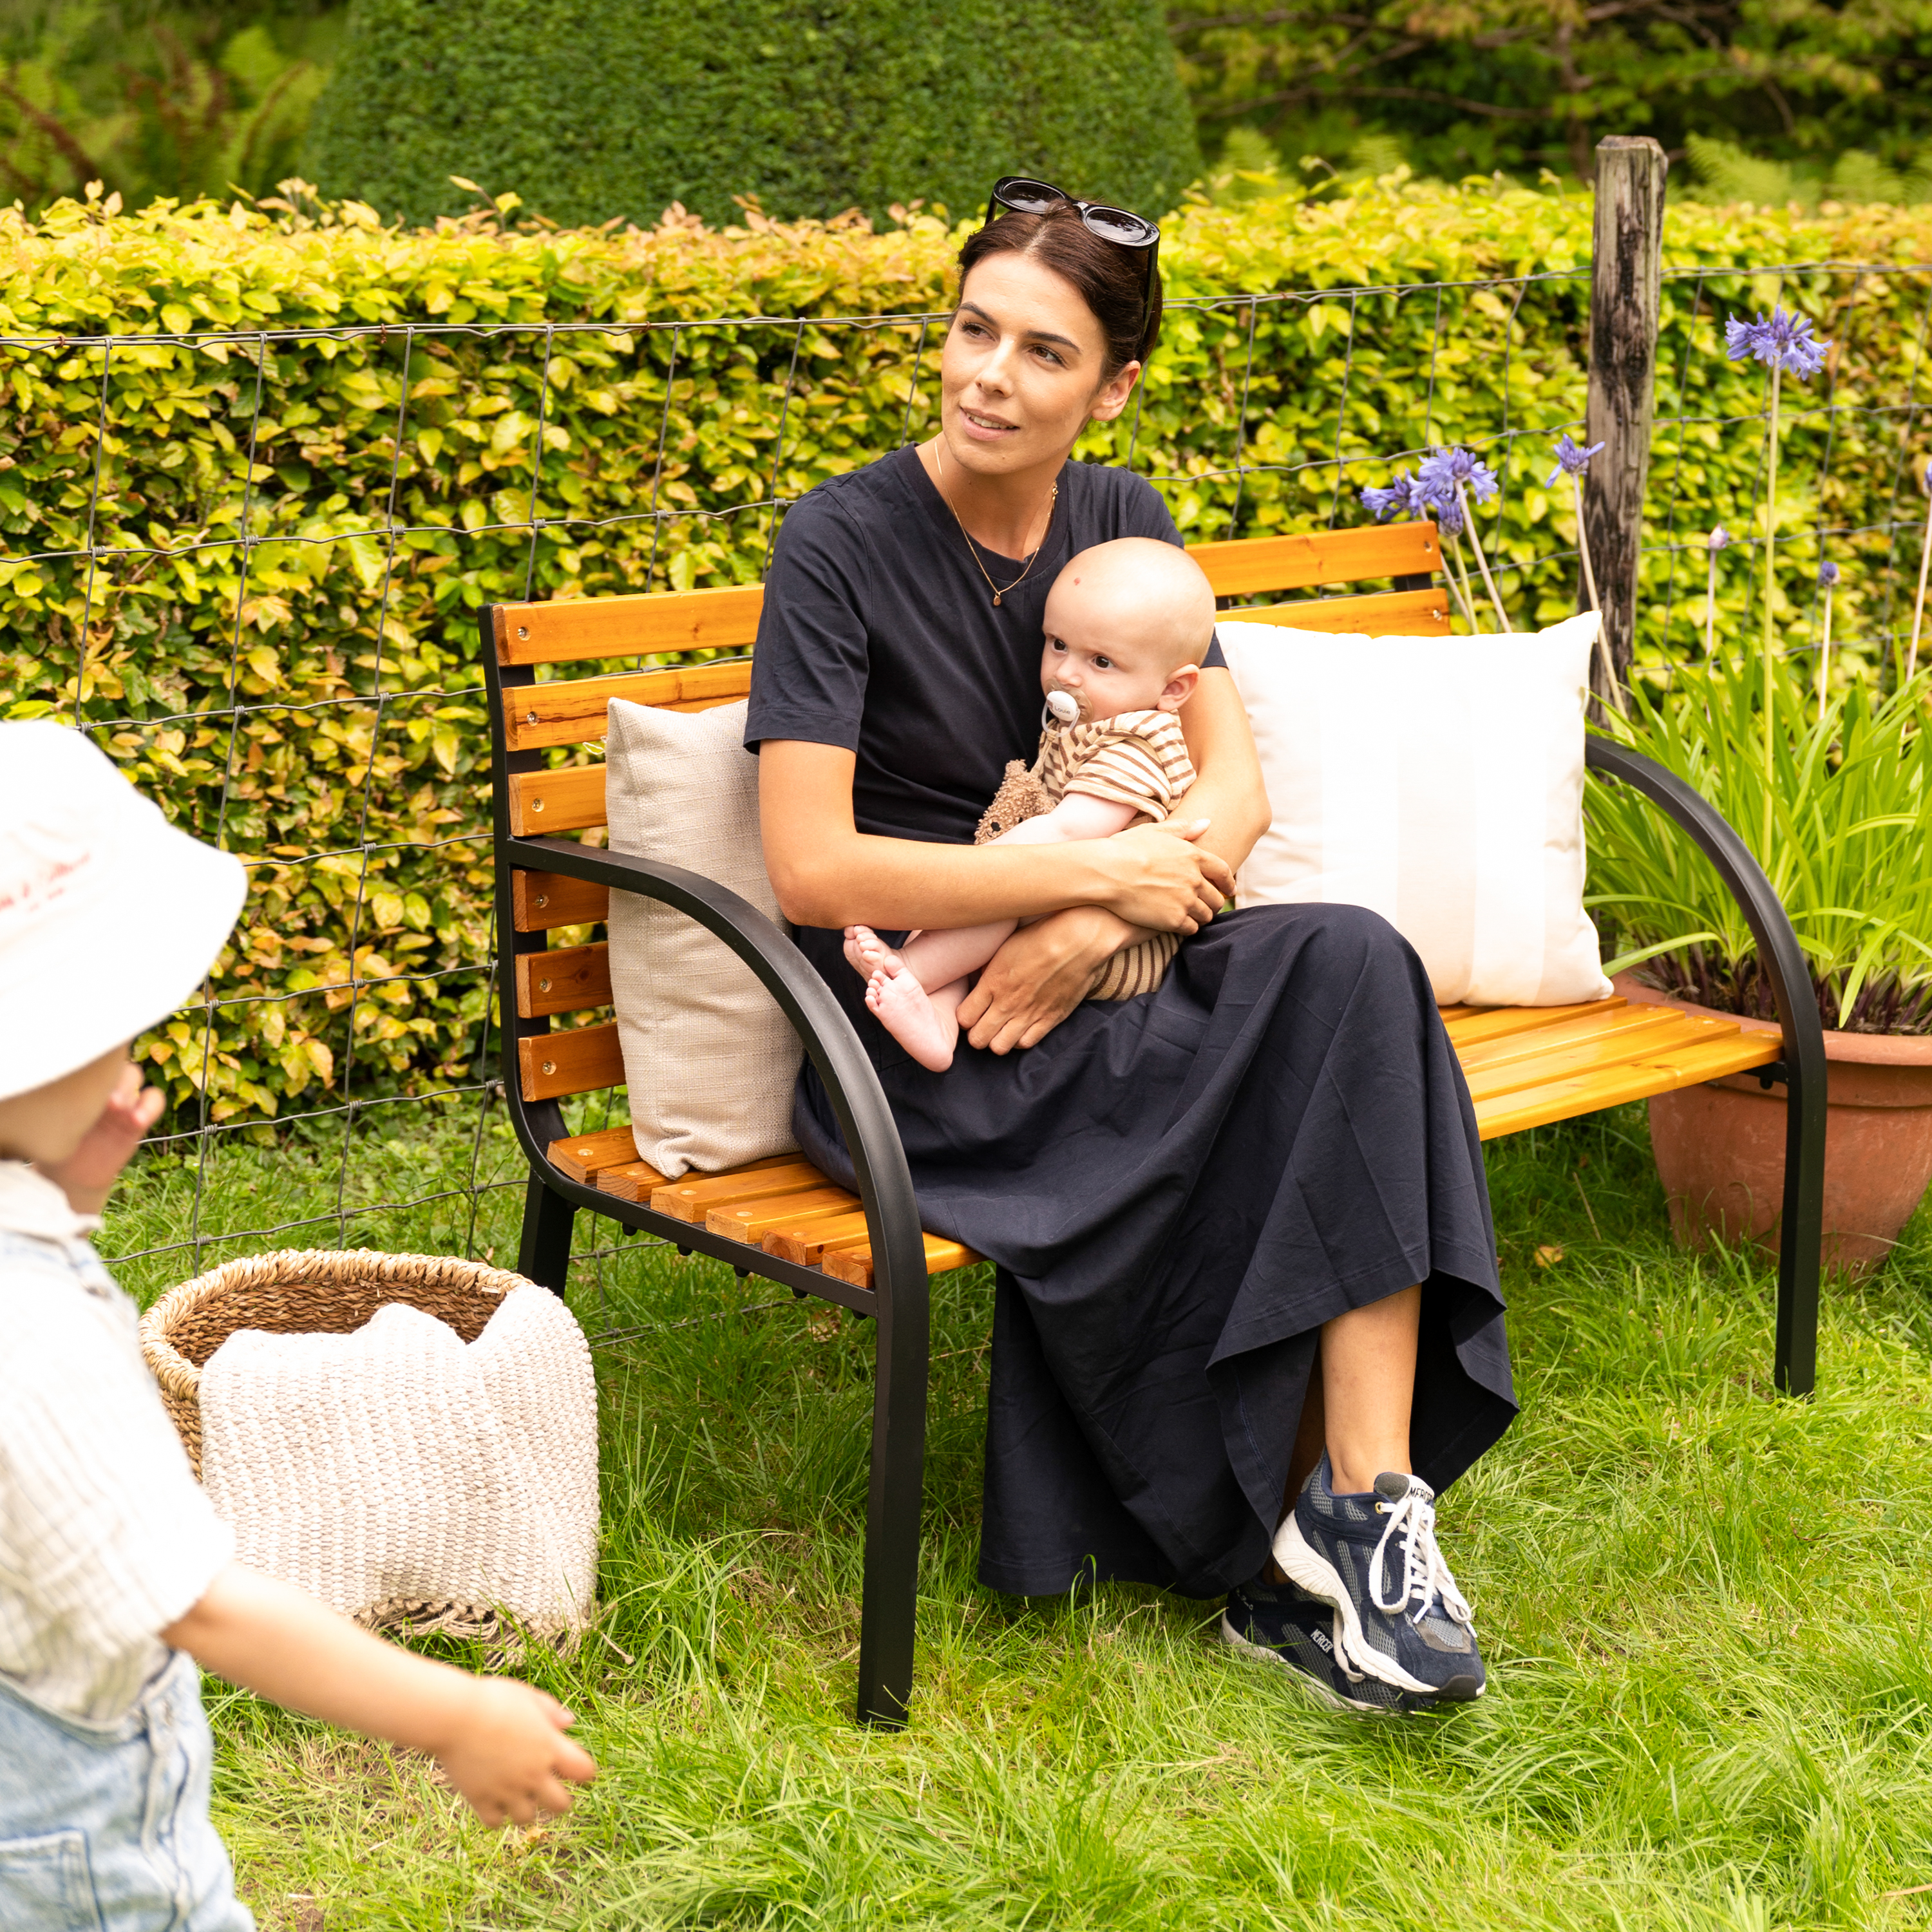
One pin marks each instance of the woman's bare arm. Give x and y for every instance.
(825, 872)
(1042, 973)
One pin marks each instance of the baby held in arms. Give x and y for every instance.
(1127, 624)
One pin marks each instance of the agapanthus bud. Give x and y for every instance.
(1571, 461)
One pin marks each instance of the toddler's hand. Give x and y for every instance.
(87, 1175)
(509, 1755)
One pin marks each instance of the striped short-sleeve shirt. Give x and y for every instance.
(1139, 758)
(105, 1538)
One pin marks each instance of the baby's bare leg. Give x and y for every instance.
(938, 958)
(916, 992)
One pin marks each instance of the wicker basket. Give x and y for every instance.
(330, 1290)
(311, 1291)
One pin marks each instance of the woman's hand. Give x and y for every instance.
(1161, 880)
(1039, 976)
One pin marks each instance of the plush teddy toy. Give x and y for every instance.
(1021, 796)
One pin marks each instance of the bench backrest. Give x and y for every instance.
(546, 983)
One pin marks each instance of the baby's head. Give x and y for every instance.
(1127, 624)
(109, 919)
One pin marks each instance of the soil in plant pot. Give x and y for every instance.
(1720, 1147)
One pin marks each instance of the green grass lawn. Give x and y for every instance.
(1704, 1608)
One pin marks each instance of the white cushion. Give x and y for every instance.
(709, 1059)
(1438, 781)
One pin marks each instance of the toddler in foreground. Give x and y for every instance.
(115, 1573)
(1127, 624)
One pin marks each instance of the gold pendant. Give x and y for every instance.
(996, 598)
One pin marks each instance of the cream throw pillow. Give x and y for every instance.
(1438, 781)
(709, 1058)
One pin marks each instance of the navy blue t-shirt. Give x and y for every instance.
(879, 635)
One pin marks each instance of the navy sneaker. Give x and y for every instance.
(1288, 1627)
(1399, 1616)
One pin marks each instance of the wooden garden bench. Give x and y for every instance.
(781, 1219)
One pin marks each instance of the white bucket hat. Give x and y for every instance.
(109, 916)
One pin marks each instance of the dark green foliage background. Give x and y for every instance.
(594, 113)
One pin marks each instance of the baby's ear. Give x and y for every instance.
(1179, 688)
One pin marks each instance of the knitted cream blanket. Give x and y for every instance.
(404, 1477)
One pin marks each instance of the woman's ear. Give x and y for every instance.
(1179, 689)
(1111, 396)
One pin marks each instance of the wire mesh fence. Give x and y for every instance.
(248, 563)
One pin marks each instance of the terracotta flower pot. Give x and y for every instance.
(1720, 1147)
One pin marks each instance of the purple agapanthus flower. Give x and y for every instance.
(1828, 574)
(1397, 499)
(1443, 468)
(1785, 340)
(1570, 460)
(1408, 495)
(1719, 538)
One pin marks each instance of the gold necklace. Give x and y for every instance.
(973, 549)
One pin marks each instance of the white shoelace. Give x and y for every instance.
(1425, 1576)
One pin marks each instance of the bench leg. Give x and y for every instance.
(1801, 1235)
(543, 1256)
(887, 1609)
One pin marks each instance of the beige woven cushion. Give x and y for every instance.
(400, 1465)
(1438, 781)
(709, 1059)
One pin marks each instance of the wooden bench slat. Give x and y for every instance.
(750, 1221)
(693, 1196)
(580, 1060)
(1250, 564)
(575, 711)
(576, 629)
(807, 1243)
(1389, 613)
(1497, 1022)
(540, 901)
(1619, 1026)
(587, 1155)
(635, 1181)
(566, 979)
(854, 1264)
(1613, 1086)
(1644, 1046)
(569, 800)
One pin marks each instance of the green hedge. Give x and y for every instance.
(333, 699)
(594, 112)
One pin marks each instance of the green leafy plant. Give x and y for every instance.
(1849, 799)
(149, 99)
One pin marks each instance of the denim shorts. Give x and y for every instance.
(104, 1828)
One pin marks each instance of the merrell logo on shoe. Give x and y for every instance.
(1322, 1641)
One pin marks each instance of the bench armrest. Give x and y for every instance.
(858, 1101)
(1744, 879)
(1801, 1233)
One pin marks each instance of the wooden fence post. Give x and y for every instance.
(1626, 281)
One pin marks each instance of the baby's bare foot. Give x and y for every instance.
(906, 1011)
(866, 953)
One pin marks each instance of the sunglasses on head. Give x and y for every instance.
(1022, 195)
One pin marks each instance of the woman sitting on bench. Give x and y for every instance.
(1247, 1317)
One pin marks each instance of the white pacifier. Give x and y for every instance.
(1063, 706)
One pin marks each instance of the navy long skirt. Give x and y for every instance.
(1178, 1190)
